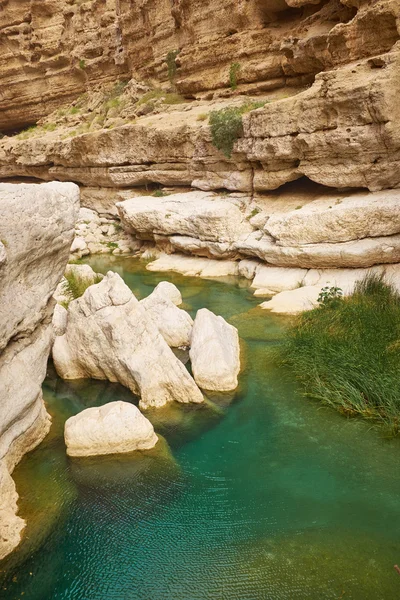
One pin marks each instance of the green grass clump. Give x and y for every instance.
(227, 125)
(75, 286)
(346, 352)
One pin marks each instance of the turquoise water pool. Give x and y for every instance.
(262, 496)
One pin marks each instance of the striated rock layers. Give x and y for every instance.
(36, 231)
(53, 51)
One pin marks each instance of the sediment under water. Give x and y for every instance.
(263, 496)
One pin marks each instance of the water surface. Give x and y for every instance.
(261, 496)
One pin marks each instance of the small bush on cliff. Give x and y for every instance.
(227, 126)
(346, 352)
(74, 286)
(233, 75)
(171, 64)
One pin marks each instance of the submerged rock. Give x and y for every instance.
(114, 428)
(194, 266)
(214, 352)
(110, 336)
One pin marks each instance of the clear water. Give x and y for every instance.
(264, 496)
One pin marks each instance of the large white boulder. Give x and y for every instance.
(114, 428)
(174, 324)
(198, 215)
(110, 336)
(170, 291)
(214, 352)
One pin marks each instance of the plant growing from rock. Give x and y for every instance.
(171, 64)
(227, 126)
(74, 286)
(329, 296)
(233, 75)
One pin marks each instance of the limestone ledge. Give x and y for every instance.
(342, 132)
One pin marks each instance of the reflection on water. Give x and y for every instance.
(264, 495)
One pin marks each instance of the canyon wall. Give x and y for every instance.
(36, 232)
(53, 51)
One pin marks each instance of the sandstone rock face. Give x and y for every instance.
(114, 428)
(59, 50)
(174, 324)
(110, 336)
(214, 352)
(36, 229)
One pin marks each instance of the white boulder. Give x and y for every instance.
(168, 290)
(214, 352)
(110, 336)
(174, 324)
(114, 428)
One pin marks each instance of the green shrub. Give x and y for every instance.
(82, 64)
(74, 286)
(330, 296)
(202, 117)
(159, 194)
(171, 64)
(227, 126)
(233, 74)
(112, 245)
(346, 352)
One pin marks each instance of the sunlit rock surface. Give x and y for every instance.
(110, 336)
(113, 428)
(214, 352)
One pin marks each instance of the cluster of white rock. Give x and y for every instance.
(108, 334)
(95, 234)
(287, 251)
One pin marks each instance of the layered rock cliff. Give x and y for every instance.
(36, 231)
